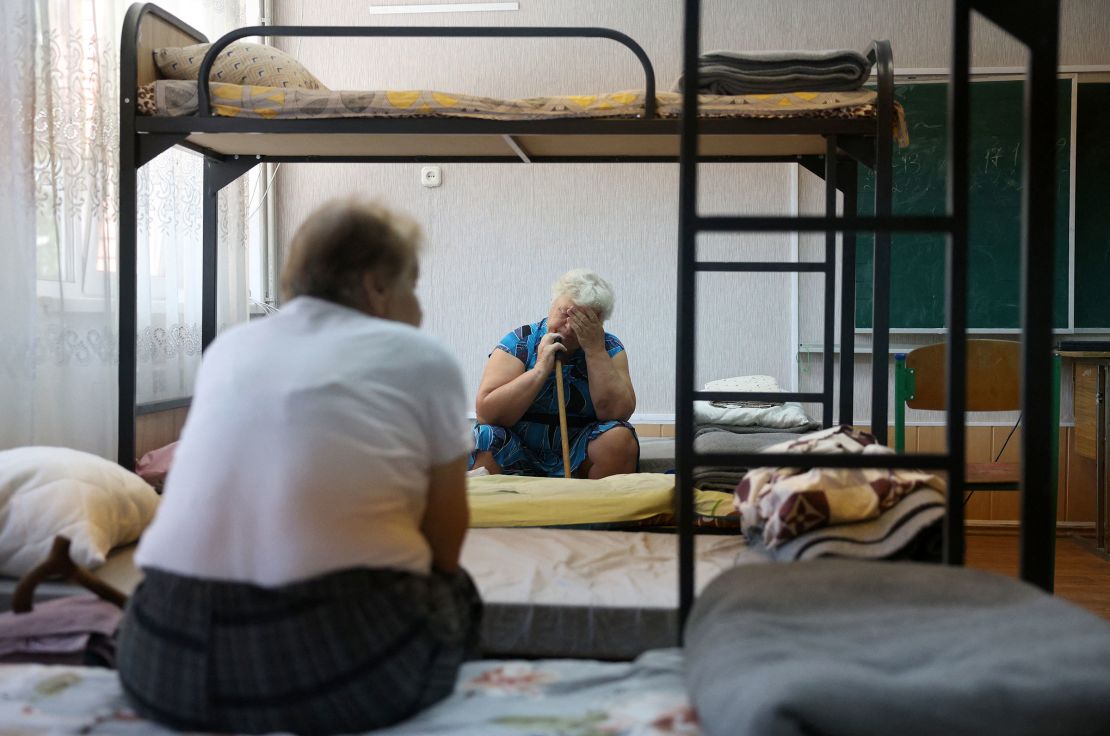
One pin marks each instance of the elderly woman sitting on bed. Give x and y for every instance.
(518, 409)
(302, 573)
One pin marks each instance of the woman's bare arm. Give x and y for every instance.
(507, 390)
(447, 514)
(610, 384)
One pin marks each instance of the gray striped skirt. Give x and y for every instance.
(348, 651)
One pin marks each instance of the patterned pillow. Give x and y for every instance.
(239, 63)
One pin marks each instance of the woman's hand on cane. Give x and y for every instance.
(551, 348)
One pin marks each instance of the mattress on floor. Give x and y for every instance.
(571, 593)
(626, 502)
(492, 698)
(514, 501)
(547, 592)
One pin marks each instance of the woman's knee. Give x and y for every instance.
(618, 446)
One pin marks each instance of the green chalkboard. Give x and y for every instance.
(1092, 206)
(994, 226)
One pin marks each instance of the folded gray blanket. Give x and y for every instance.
(910, 530)
(714, 440)
(755, 429)
(878, 648)
(737, 73)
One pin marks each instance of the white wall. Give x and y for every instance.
(498, 235)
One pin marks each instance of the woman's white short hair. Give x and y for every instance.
(586, 289)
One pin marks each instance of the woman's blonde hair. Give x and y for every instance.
(586, 289)
(342, 240)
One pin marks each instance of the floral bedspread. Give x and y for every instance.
(495, 698)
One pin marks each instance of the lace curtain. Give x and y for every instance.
(17, 213)
(58, 345)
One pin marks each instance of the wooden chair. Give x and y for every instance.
(993, 384)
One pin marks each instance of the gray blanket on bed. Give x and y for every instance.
(717, 440)
(851, 647)
(737, 73)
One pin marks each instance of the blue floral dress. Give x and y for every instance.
(533, 445)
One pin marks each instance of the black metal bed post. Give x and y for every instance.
(880, 320)
(684, 358)
(217, 175)
(847, 176)
(134, 152)
(959, 109)
(127, 246)
(1038, 501)
(1036, 25)
(828, 380)
(126, 258)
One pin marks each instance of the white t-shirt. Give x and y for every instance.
(308, 448)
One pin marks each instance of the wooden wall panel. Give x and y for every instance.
(1062, 477)
(158, 429)
(1086, 410)
(911, 438)
(981, 505)
(1005, 505)
(1081, 484)
(931, 439)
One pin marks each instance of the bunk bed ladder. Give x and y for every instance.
(1037, 29)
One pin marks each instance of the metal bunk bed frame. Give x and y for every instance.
(840, 146)
(833, 149)
(1036, 26)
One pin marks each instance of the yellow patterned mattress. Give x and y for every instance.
(643, 498)
(174, 98)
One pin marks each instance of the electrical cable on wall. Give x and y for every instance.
(265, 193)
(1000, 451)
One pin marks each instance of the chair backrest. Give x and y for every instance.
(993, 376)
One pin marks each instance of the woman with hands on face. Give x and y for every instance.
(518, 410)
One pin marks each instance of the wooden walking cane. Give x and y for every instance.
(562, 410)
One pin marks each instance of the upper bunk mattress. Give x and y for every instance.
(175, 98)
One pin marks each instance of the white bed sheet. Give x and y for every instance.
(573, 593)
(571, 567)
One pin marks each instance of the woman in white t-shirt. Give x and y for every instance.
(302, 573)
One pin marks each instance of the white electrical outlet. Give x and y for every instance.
(431, 176)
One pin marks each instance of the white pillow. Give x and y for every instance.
(46, 491)
(744, 383)
(781, 416)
